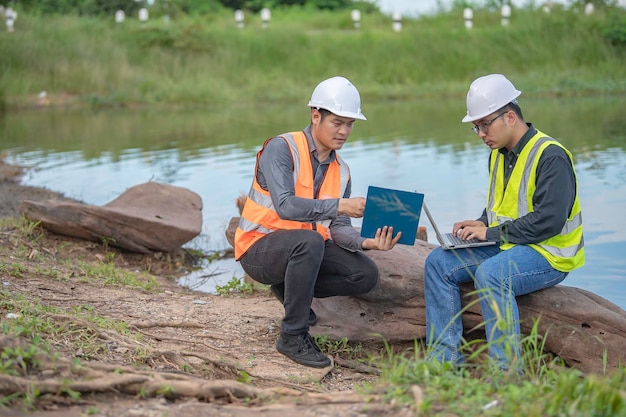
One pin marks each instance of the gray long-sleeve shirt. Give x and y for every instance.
(275, 174)
(552, 201)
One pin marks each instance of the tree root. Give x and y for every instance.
(120, 340)
(357, 366)
(173, 339)
(64, 376)
(155, 384)
(166, 324)
(59, 379)
(106, 335)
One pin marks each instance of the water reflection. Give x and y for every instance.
(95, 156)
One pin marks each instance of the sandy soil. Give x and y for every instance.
(200, 346)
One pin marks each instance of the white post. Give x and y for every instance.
(589, 9)
(239, 18)
(397, 21)
(143, 15)
(166, 11)
(266, 15)
(506, 14)
(356, 18)
(10, 16)
(42, 99)
(468, 15)
(119, 16)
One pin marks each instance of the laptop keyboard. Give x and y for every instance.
(454, 240)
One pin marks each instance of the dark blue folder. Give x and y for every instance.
(388, 207)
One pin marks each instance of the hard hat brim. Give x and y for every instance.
(359, 116)
(469, 118)
(351, 115)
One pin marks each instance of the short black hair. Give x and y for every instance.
(513, 106)
(325, 113)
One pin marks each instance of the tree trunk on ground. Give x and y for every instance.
(149, 217)
(584, 329)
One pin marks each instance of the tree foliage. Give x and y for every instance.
(80, 7)
(109, 7)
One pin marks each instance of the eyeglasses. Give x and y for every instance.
(484, 126)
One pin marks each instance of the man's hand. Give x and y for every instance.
(383, 240)
(353, 207)
(470, 229)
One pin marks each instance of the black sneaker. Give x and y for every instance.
(278, 291)
(302, 349)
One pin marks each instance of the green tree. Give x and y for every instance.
(130, 7)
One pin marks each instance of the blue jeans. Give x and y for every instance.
(498, 276)
(300, 264)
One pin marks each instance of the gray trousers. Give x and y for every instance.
(302, 265)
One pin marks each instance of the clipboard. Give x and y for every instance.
(396, 208)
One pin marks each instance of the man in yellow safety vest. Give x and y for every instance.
(533, 214)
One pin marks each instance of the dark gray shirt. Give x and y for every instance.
(275, 174)
(552, 202)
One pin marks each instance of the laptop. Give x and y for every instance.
(449, 241)
(396, 208)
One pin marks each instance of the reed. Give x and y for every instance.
(546, 388)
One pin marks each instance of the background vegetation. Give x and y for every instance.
(205, 59)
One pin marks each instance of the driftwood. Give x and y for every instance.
(585, 330)
(149, 217)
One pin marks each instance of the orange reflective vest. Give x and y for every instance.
(259, 216)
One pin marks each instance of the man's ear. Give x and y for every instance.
(507, 119)
(316, 116)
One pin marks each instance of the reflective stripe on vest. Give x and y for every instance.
(565, 251)
(259, 216)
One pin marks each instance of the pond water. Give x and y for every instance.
(416, 146)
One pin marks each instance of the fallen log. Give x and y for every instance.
(149, 217)
(587, 331)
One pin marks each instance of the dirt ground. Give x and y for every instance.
(185, 353)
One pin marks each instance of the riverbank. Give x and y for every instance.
(108, 312)
(64, 60)
(12, 193)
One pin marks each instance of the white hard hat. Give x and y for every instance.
(488, 94)
(339, 96)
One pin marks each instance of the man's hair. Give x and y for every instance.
(513, 106)
(323, 112)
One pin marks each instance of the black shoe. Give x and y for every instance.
(302, 349)
(278, 291)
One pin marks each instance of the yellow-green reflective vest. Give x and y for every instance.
(566, 250)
